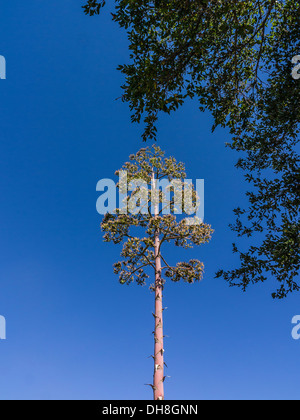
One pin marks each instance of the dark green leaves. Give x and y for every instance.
(235, 58)
(93, 7)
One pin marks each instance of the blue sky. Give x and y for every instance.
(73, 332)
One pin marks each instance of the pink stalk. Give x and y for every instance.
(158, 377)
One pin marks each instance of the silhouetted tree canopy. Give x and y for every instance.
(235, 58)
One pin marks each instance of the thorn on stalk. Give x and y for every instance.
(161, 351)
(152, 386)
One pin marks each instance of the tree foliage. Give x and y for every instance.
(234, 57)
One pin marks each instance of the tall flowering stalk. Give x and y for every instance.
(151, 210)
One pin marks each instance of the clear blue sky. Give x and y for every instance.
(73, 332)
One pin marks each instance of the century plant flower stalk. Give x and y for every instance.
(158, 377)
(142, 256)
